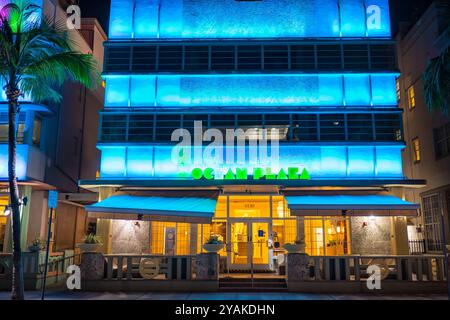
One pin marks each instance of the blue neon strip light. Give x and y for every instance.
(21, 161)
(322, 162)
(239, 19)
(251, 90)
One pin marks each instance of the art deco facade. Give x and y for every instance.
(322, 72)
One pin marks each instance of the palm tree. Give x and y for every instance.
(36, 58)
(437, 83)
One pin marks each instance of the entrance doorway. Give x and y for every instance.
(3, 222)
(249, 245)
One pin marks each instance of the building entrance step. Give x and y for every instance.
(259, 285)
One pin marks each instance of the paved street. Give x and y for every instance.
(66, 295)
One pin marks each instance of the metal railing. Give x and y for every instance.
(33, 263)
(417, 246)
(263, 56)
(357, 126)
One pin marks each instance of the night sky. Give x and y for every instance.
(401, 10)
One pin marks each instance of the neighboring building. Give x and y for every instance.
(56, 148)
(427, 134)
(321, 72)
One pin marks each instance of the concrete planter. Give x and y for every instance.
(297, 267)
(90, 247)
(294, 248)
(213, 247)
(34, 248)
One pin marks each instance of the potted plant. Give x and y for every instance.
(91, 243)
(213, 244)
(298, 246)
(37, 245)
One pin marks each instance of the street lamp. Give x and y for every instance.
(7, 211)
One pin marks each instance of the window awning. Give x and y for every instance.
(351, 205)
(155, 208)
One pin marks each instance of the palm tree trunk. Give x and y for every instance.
(17, 292)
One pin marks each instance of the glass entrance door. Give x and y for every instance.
(240, 245)
(249, 245)
(260, 237)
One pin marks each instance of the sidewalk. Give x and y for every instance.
(68, 295)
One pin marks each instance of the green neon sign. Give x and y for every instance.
(258, 174)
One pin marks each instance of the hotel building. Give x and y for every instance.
(322, 73)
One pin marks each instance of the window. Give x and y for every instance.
(332, 127)
(117, 58)
(397, 87)
(276, 57)
(166, 125)
(359, 127)
(329, 57)
(222, 58)
(4, 128)
(431, 207)
(441, 137)
(277, 123)
(303, 57)
(416, 149)
(356, 57)
(113, 128)
(37, 131)
(161, 242)
(249, 58)
(196, 58)
(304, 127)
(140, 127)
(223, 122)
(383, 57)
(388, 127)
(144, 58)
(327, 236)
(411, 98)
(170, 58)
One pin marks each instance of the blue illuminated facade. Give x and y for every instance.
(320, 73)
(205, 19)
(327, 67)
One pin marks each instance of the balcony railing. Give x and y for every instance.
(417, 246)
(158, 127)
(418, 268)
(132, 267)
(267, 57)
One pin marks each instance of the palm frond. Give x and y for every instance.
(39, 90)
(54, 68)
(40, 55)
(437, 83)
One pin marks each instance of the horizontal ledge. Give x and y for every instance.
(220, 183)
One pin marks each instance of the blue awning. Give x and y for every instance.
(356, 205)
(169, 209)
